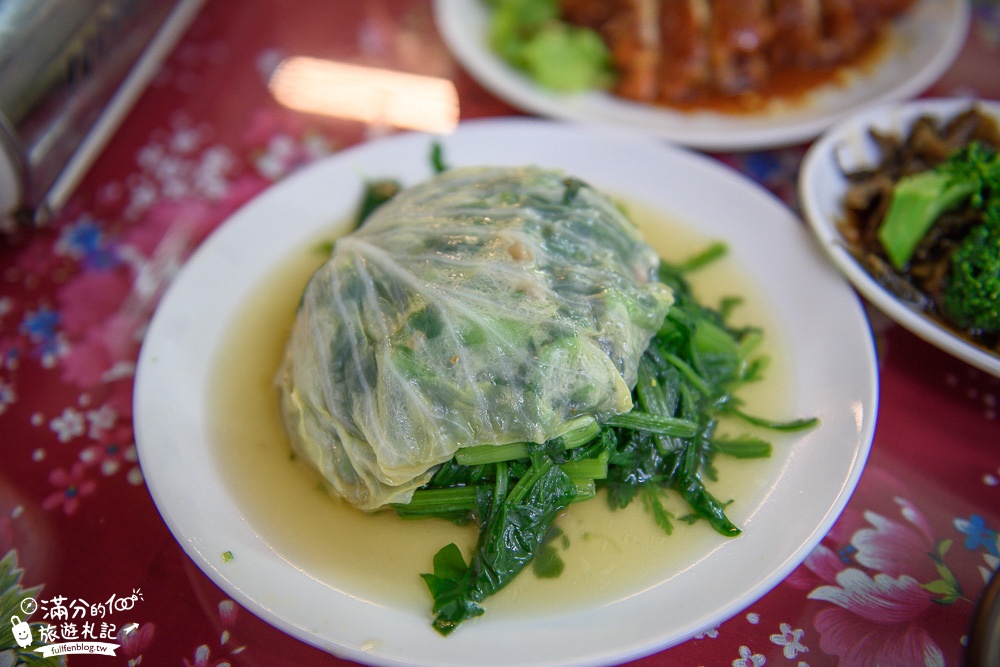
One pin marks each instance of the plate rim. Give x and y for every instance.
(198, 547)
(702, 130)
(820, 161)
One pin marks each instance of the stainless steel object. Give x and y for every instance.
(69, 71)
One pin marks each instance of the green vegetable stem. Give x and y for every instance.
(666, 443)
(493, 306)
(918, 200)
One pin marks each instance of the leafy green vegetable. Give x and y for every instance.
(375, 194)
(516, 312)
(437, 158)
(484, 306)
(567, 58)
(513, 21)
(547, 564)
(918, 200)
(667, 443)
(529, 35)
(510, 535)
(971, 296)
(972, 291)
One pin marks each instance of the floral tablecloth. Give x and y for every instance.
(895, 582)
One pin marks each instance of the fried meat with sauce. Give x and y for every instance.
(673, 51)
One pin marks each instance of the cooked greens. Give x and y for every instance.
(485, 306)
(971, 174)
(687, 379)
(924, 220)
(496, 344)
(530, 35)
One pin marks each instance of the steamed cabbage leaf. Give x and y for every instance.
(482, 307)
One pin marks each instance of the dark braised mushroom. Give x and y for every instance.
(928, 142)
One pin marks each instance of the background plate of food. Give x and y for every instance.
(261, 523)
(855, 165)
(714, 75)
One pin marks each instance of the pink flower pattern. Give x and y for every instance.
(114, 451)
(72, 487)
(879, 614)
(135, 642)
(228, 611)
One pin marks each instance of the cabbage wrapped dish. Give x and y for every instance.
(496, 344)
(484, 306)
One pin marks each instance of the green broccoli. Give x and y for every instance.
(972, 291)
(529, 35)
(918, 200)
(971, 176)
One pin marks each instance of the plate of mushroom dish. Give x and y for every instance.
(905, 199)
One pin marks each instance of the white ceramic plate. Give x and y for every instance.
(818, 317)
(822, 184)
(926, 42)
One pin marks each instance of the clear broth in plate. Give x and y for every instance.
(608, 554)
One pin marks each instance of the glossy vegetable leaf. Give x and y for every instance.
(509, 539)
(665, 445)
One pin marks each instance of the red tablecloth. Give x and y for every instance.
(900, 571)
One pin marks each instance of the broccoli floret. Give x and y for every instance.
(560, 56)
(971, 176)
(972, 292)
(918, 200)
(567, 58)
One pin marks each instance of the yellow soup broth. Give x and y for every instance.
(607, 554)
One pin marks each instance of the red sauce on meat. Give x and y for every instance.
(788, 86)
(736, 56)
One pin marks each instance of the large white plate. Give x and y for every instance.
(818, 317)
(926, 42)
(822, 184)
